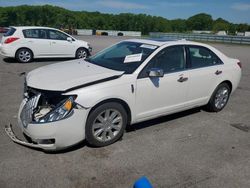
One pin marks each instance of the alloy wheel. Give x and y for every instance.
(221, 97)
(107, 125)
(24, 56)
(82, 54)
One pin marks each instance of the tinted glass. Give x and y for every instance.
(125, 56)
(202, 57)
(10, 32)
(57, 35)
(171, 59)
(31, 33)
(42, 34)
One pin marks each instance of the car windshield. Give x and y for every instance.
(124, 56)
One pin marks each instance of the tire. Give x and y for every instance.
(24, 55)
(105, 132)
(82, 53)
(219, 98)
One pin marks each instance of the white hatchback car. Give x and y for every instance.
(132, 81)
(26, 43)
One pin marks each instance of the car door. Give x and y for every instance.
(60, 46)
(156, 96)
(206, 68)
(36, 40)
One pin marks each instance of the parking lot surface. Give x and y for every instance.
(189, 149)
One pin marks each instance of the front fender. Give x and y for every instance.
(91, 96)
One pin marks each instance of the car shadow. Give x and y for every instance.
(137, 126)
(12, 60)
(69, 149)
(162, 119)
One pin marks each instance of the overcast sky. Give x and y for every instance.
(237, 11)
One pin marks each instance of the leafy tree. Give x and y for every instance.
(220, 25)
(242, 27)
(58, 17)
(232, 29)
(200, 22)
(179, 25)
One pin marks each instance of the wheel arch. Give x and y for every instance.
(24, 48)
(88, 52)
(229, 83)
(116, 100)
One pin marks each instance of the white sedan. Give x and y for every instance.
(132, 81)
(27, 43)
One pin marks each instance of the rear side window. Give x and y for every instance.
(35, 33)
(31, 33)
(202, 57)
(10, 32)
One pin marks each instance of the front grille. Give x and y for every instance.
(28, 109)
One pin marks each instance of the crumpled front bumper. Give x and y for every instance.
(64, 133)
(11, 134)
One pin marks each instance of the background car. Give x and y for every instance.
(27, 43)
(130, 82)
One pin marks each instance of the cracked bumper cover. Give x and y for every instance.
(66, 132)
(11, 134)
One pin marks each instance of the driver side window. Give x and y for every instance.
(170, 59)
(56, 35)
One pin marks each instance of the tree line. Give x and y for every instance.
(58, 17)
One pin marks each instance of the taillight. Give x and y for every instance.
(10, 40)
(240, 65)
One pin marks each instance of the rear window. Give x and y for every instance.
(10, 32)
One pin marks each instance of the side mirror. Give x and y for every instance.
(69, 39)
(155, 72)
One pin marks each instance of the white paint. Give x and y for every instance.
(42, 48)
(152, 97)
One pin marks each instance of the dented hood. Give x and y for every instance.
(67, 75)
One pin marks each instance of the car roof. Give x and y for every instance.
(32, 27)
(164, 41)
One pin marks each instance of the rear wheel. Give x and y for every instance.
(24, 55)
(219, 98)
(81, 53)
(106, 124)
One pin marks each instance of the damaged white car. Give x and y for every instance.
(132, 81)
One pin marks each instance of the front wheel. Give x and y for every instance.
(106, 124)
(219, 98)
(81, 53)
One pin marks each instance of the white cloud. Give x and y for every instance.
(121, 5)
(241, 6)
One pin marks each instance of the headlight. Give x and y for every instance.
(89, 47)
(60, 112)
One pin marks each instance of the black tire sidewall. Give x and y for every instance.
(92, 116)
(17, 55)
(211, 104)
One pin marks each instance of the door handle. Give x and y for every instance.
(182, 79)
(218, 72)
(53, 42)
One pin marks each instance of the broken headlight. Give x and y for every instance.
(47, 114)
